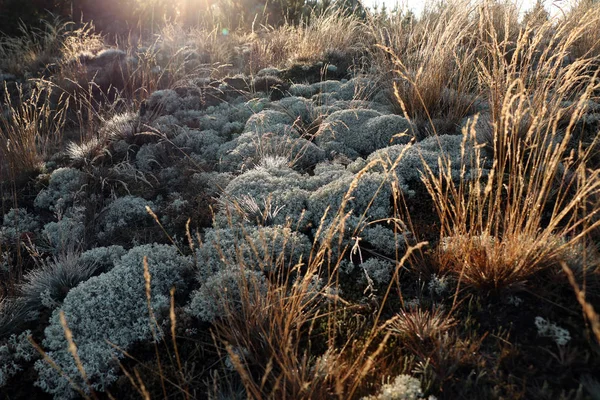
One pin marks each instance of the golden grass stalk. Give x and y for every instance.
(153, 323)
(500, 230)
(73, 351)
(30, 126)
(431, 64)
(588, 309)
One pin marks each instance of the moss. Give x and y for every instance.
(109, 309)
(65, 187)
(361, 132)
(265, 249)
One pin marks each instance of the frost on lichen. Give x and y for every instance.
(280, 186)
(404, 387)
(368, 199)
(16, 351)
(360, 132)
(123, 215)
(66, 185)
(223, 293)
(66, 232)
(109, 309)
(411, 159)
(17, 222)
(267, 249)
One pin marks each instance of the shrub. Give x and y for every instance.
(368, 200)
(151, 156)
(250, 148)
(296, 108)
(109, 309)
(203, 144)
(280, 186)
(361, 132)
(67, 232)
(416, 159)
(17, 222)
(385, 240)
(104, 258)
(15, 351)
(65, 187)
(302, 90)
(404, 387)
(119, 217)
(223, 293)
(269, 121)
(164, 102)
(266, 249)
(377, 271)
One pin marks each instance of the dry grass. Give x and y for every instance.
(511, 220)
(30, 127)
(35, 49)
(331, 30)
(434, 84)
(588, 45)
(501, 230)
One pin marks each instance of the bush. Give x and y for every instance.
(16, 223)
(250, 148)
(369, 200)
(66, 233)
(360, 132)
(378, 271)
(279, 186)
(65, 187)
(269, 121)
(296, 108)
(13, 353)
(410, 167)
(104, 258)
(385, 240)
(223, 293)
(109, 309)
(119, 217)
(404, 387)
(265, 249)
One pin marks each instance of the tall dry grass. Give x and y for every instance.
(30, 126)
(431, 65)
(501, 229)
(55, 43)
